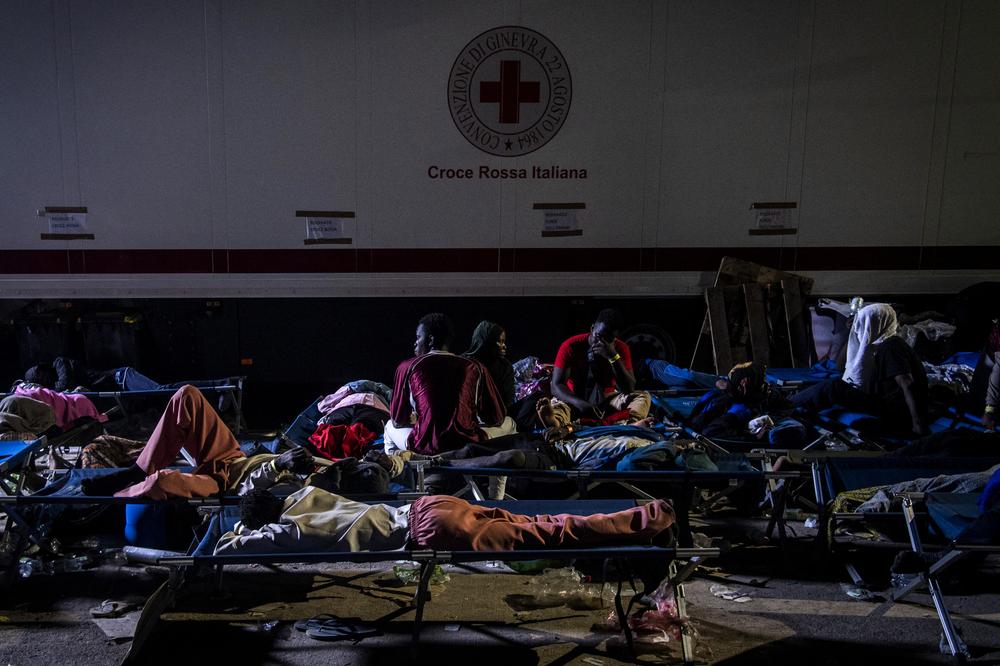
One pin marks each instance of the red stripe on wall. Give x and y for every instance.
(489, 260)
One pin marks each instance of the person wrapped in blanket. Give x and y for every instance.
(23, 418)
(317, 519)
(745, 404)
(883, 378)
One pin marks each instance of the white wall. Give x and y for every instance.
(204, 125)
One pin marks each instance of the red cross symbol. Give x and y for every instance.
(510, 91)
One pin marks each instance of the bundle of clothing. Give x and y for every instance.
(353, 417)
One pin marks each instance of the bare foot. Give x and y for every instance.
(545, 412)
(647, 422)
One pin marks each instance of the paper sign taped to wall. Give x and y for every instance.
(561, 222)
(327, 229)
(775, 214)
(67, 223)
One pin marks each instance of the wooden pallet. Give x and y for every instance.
(756, 313)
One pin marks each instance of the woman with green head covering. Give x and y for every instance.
(489, 347)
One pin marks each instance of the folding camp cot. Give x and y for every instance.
(678, 409)
(16, 456)
(202, 556)
(834, 475)
(950, 514)
(231, 387)
(796, 378)
(587, 480)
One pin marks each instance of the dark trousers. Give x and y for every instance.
(837, 392)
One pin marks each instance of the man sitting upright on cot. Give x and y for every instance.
(442, 401)
(593, 377)
(891, 381)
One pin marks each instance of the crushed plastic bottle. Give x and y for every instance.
(72, 563)
(811, 522)
(900, 580)
(563, 587)
(860, 593)
(700, 540)
(729, 593)
(267, 626)
(31, 566)
(408, 573)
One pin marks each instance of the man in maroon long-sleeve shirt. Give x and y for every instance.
(442, 401)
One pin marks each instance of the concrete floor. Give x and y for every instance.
(801, 614)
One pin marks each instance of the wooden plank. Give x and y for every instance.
(756, 317)
(795, 320)
(719, 327)
(733, 271)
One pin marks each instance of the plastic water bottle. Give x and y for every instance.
(75, 563)
(900, 580)
(29, 566)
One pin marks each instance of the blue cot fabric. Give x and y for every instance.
(823, 370)
(661, 456)
(854, 473)
(851, 419)
(619, 431)
(953, 512)
(304, 424)
(970, 359)
(253, 447)
(13, 452)
(156, 526)
(682, 405)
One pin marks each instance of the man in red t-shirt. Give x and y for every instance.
(593, 376)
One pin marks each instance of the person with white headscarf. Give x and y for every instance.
(883, 377)
(873, 325)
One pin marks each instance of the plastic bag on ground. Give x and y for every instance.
(660, 624)
(563, 587)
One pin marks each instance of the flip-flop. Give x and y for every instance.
(109, 608)
(340, 629)
(315, 620)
